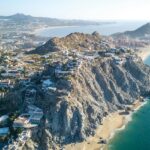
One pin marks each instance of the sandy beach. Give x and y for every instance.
(41, 29)
(111, 123)
(144, 53)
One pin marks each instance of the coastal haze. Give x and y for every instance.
(104, 29)
(74, 75)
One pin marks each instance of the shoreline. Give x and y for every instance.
(111, 124)
(128, 118)
(39, 30)
(144, 52)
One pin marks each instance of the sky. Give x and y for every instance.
(80, 9)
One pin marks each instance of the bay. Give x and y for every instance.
(104, 29)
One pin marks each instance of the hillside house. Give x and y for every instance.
(30, 119)
(36, 114)
(119, 61)
(11, 73)
(47, 83)
(21, 121)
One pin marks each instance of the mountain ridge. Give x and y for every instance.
(50, 21)
(85, 86)
(75, 40)
(140, 32)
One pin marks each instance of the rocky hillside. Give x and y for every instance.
(82, 87)
(98, 88)
(78, 41)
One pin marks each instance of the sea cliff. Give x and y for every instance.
(97, 83)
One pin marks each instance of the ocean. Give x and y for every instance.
(136, 135)
(104, 29)
(147, 60)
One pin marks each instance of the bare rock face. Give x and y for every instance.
(97, 89)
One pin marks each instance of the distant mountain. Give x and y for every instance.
(16, 16)
(141, 32)
(21, 18)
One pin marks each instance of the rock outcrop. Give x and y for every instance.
(98, 88)
(77, 40)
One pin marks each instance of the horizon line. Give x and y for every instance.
(83, 19)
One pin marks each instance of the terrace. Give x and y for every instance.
(30, 119)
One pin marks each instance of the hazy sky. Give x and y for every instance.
(80, 9)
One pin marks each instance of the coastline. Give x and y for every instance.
(128, 117)
(110, 125)
(144, 53)
(42, 29)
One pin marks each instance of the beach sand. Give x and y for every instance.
(39, 30)
(110, 125)
(144, 53)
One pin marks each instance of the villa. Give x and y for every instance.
(4, 84)
(30, 119)
(36, 114)
(11, 73)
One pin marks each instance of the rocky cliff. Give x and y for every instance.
(98, 88)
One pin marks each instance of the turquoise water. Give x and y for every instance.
(147, 61)
(136, 135)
